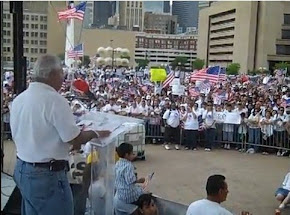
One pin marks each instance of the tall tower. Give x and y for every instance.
(103, 10)
(131, 14)
(166, 6)
(187, 12)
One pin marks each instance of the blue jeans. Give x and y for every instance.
(43, 192)
(254, 137)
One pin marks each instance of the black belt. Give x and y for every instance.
(53, 165)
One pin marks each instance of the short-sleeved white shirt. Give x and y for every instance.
(206, 207)
(41, 124)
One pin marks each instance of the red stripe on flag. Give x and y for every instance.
(168, 79)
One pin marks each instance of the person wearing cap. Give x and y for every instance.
(44, 130)
(171, 119)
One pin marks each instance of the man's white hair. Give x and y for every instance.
(44, 65)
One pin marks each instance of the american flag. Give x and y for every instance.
(222, 74)
(204, 85)
(78, 51)
(76, 12)
(211, 74)
(194, 91)
(170, 77)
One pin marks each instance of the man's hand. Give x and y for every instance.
(104, 133)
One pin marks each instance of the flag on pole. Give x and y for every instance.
(77, 51)
(222, 74)
(168, 79)
(76, 12)
(194, 91)
(211, 74)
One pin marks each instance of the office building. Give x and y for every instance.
(253, 34)
(163, 49)
(160, 23)
(187, 12)
(89, 14)
(131, 14)
(153, 6)
(103, 10)
(34, 31)
(166, 7)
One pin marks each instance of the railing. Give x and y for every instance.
(237, 136)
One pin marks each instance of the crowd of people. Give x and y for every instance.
(261, 101)
(261, 105)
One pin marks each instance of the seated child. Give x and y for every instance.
(283, 193)
(127, 189)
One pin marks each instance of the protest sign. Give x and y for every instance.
(232, 118)
(178, 90)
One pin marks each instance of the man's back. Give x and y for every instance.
(206, 207)
(41, 121)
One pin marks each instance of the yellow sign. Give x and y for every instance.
(158, 75)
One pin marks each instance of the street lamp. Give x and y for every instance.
(112, 56)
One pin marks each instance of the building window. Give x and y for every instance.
(283, 49)
(26, 26)
(42, 42)
(42, 51)
(285, 34)
(43, 35)
(286, 19)
(26, 50)
(43, 18)
(8, 58)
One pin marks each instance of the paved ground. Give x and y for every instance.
(181, 175)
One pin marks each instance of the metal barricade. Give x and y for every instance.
(245, 137)
(154, 129)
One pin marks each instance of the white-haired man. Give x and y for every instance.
(43, 129)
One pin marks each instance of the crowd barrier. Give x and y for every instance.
(242, 137)
(237, 137)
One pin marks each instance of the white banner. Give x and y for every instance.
(233, 118)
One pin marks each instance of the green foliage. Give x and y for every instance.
(198, 64)
(282, 65)
(86, 61)
(125, 56)
(179, 61)
(142, 63)
(233, 69)
(61, 56)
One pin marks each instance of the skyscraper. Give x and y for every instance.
(131, 14)
(103, 10)
(166, 6)
(187, 12)
(153, 6)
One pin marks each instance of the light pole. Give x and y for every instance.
(108, 58)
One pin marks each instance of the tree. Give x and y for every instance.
(233, 69)
(142, 63)
(125, 56)
(86, 61)
(282, 66)
(61, 56)
(198, 64)
(179, 61)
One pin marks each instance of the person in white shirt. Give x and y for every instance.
(283, 193)
(134, 110)
(217, 191)
(172, 122)
(111, 107)
(190, 128)
(209, 118)
(43, 129)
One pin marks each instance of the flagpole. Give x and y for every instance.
(69, 44)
